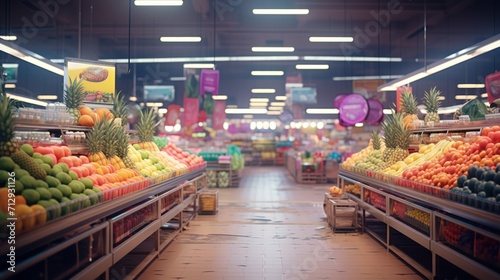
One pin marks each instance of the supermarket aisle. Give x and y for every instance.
(272, 228)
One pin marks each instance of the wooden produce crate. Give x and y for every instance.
(209, 202)
(342, 214)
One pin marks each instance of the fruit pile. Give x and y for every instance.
(458, 236)
(335, 191)
(376, 200)
(190, 160)
(479, 184)
(353, 189)
(373, 160)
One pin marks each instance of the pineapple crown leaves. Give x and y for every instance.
(96, 137)
(376, 140)
(6, 106)
(122, 142)
(74, 94)
(146, 125)
(120, 107)
(408, 103)
(396, 133)
(110, 142)
(431, 100)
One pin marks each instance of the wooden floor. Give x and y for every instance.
(273, 228)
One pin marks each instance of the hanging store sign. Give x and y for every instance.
(303, 95)
(219, 116)
(209, 81)
(353, 109)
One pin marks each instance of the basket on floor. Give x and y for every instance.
(209, 202)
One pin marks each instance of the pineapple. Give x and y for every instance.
(397, 139)
(110, 144)
(122, 146)
(95, 138)
(146, 129)
(431, 101)
(120, 108)
(74, 97)
(376, 141)
(28, 164)
(409, 108)
(7, 144)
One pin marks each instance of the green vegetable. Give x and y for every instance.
(475, 109)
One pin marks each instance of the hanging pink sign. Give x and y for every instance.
(353, 109)
(219, 116)
(173, 114)
(191, 107)
(338, 100)
(375, 113)
(209, 81)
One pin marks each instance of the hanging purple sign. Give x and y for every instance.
(376, 111)
(338, 100)
(209, 82)
(353, 109)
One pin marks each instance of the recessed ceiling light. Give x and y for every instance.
(465, 97)
(158, 2)
(312, 66)
(9, 38)
(359, 125)
(258, 104)
(245, 111)
(331, 39)
(280, 97)
(199, 65)
(219, 97)
(263, 90)
(280, 11)
(47, 97)
(162, 110)
(354, 78)
(320, 111)
(441, 98)
(281, 104)
(132, 98)
(259, 100)
(275, 113)
(180, 39)
(268, 73)
(11, 86)
(484, 95)
(275, 108)
(154, 104)
(470, 86)
(273, 49)
(387, 111)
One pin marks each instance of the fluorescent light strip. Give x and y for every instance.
(356, 78)
(470, 86)
(465, 97)
(273, 49)
(484, 95)
(259, 100)
(177, 79)
(11, 86)
(313, 39)
(293, 85)
(441, 98)
(9, 38)
(387, 111)
(354, 58)
(322, 111)
(27, 100)
(245, 111)
(180, 39)
(264, 90)
(30, 57)
(154, 104)
(312, 66)
(200, 65)
(219, 97)
(158, 2)
(132, 98)
(281, 104)
(449, 61)
(274, 113)
(275, 108)
(280, 11)
(47, 97)
(258, 104)
(268, 73)
(280, 97)
(359, 125)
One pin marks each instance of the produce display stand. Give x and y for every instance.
(427, 230)
(306, 173)
(213, 170)
(114, 239)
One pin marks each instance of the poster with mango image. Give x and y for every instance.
(98, 79)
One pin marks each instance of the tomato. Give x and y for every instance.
(485, 131)
(495, 128)
(496, 137)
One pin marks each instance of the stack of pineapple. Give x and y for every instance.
(432, 103)
(397, 139)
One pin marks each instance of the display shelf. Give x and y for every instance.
(140, 211)
(295, 168)
(415, 223)
(19, 124)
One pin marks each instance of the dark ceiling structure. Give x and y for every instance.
(417, 31)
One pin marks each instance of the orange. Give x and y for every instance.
(84, 110)
(20, 199)
(102, 112)
(86, 120)
(95, 117)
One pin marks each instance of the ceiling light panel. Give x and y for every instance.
(312, 66)
(470, 86)
(280, 11)
(158, 2)
(180, 39)
(273, 49)
(219, 97)
(280, 97)
(245, 111)
(259, 100)
(321, 111)
(331, 39)
(264, 90)
(200, 65)
(281, 104)
(268, 73)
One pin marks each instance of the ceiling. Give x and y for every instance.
(92, 29)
